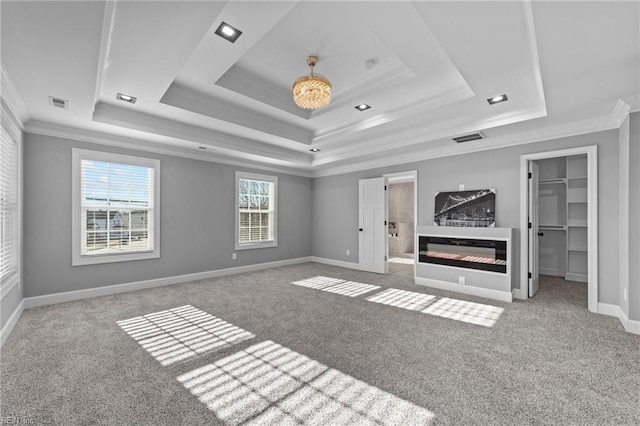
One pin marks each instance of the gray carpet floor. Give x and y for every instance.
(309, 355)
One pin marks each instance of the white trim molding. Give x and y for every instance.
(159, 146)
(69, 296)
(11, 322)
(78, 258)
(592, 216)
(13, 100)
(502, 296)
(630, 326)
(50, 299)
(333, 262)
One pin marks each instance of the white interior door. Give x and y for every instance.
(534, 281)
(372, 243)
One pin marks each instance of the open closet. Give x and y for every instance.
(562, 217)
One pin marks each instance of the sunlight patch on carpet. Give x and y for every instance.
(181, 333)
(336, 285)
(403, 299)
(459, 310)
(270, 384)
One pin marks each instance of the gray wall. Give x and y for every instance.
(335, 230)
(196, 213)
(634, 212)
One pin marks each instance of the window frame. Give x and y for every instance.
(256, 244)
(78, 259)
(15, 134)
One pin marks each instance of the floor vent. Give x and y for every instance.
(469, 137)
(58, 103)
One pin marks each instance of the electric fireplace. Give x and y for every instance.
(471, 253)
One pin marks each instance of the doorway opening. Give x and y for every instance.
(401, 223)
(559, 217)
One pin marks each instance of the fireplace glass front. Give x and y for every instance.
(471, 253)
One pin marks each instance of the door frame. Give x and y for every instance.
(592, 218)
(398, 177)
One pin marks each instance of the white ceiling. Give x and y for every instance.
(564, 66)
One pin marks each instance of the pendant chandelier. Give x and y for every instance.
(312, 91)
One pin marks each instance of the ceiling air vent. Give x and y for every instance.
(470, 137)
(58, 103)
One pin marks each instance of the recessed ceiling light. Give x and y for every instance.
(315, 150)
(126, 98)
(227, 32)
(497, 99)
(362, 107)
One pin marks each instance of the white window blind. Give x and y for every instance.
(115, 201)
(256, 211)
(8, 206)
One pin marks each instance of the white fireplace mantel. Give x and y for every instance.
(494, 285)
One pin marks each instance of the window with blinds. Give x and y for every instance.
(8, 207)
(255, 211)
(117, 206)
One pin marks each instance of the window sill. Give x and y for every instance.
(249, 246)
(113, 258)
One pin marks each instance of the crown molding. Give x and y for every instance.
(620, 112)
(533, 48)
(410, 134)
(13, 100)
(105, 39)
(221, 142)
(188, 99)
(60, 131)
(633, 102)
(603, 123)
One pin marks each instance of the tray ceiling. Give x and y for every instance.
(425, 68)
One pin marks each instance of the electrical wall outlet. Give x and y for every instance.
(348, 252)
(461, 187)
(234, 256)
(461, 280)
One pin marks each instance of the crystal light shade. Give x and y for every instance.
(312, 91)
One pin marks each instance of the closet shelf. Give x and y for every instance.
(552, 181)
(553, 227)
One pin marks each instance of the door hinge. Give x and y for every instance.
(529, 175)
(385, 258)
(530, 276)
(529, 226)
(385, 223)
(385, 187)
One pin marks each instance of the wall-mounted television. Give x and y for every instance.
(466, 208)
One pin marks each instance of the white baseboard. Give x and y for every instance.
(569, 276)
(11, 322)
(503, 296)
(516, 293)
(49, 299)
(552, 272)
(630, 326)
(333, 262)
